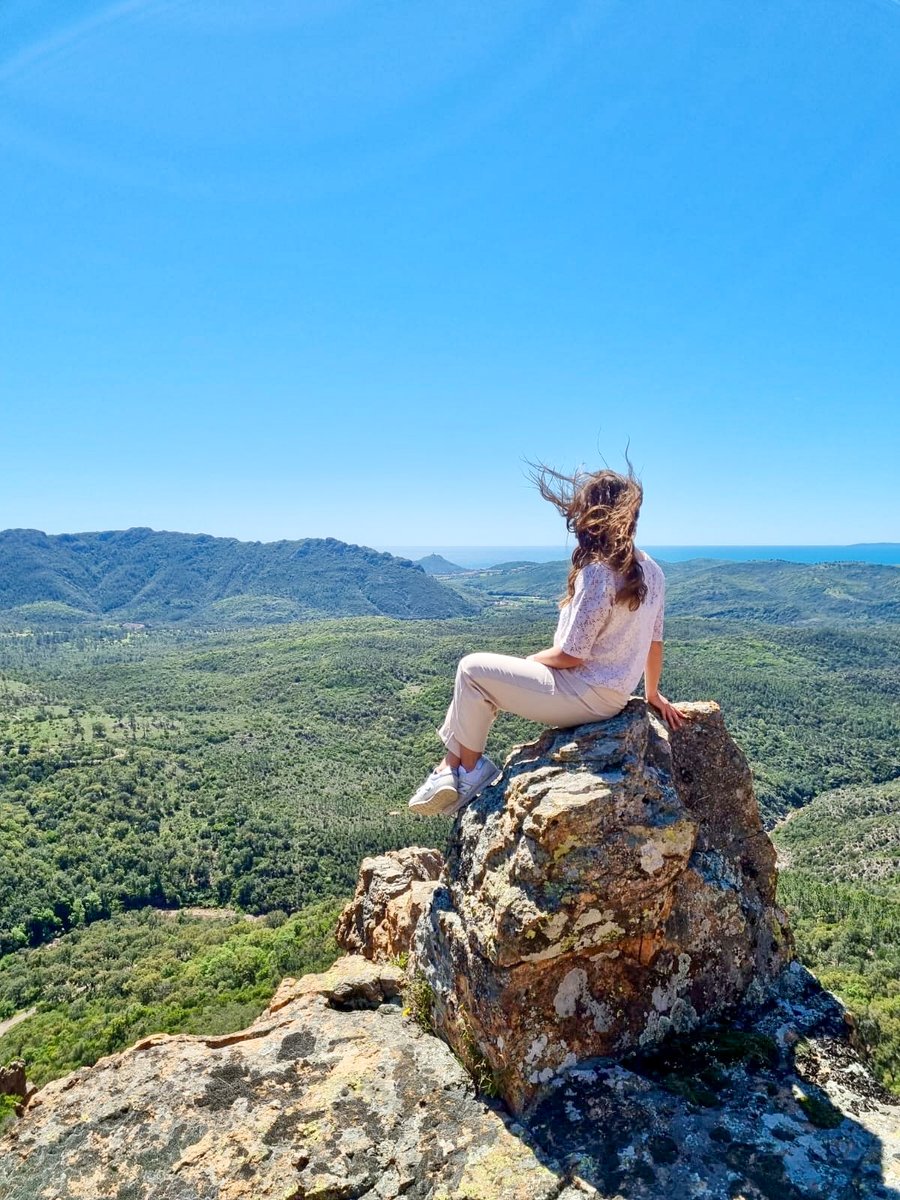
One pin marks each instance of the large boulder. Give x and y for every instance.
(391, 894)
(614, 886)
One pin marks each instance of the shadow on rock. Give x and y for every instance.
(777, 1105)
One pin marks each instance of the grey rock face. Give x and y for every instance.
(775, 1105)
(614, 886)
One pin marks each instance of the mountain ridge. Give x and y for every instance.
(772, 591)
(162, 576)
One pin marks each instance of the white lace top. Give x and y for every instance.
(613, 640)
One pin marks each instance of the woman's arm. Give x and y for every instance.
(556, 658)
(581, 621)
(670, 713)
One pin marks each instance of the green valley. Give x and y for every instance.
(146, 771)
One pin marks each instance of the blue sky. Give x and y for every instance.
(338, 268)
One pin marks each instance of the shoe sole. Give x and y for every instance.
(453, 809)
(437, 803)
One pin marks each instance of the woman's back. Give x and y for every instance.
(612, 639)
(601, 648)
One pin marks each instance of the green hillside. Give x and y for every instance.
(840, 881)
(783, 593)
(778, 593)
(141, 575)
(436, 564)
(851, 835)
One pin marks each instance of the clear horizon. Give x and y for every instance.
(379, 543)
(473, 556)
(345, 268)
(488, 554)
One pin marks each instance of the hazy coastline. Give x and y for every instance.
(885, 553)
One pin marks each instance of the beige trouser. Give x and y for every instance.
(488, 683)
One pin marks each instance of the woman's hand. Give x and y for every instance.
(673, 716)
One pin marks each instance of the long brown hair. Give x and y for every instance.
(601, 508)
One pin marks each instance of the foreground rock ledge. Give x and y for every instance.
(330, 1094)
(334, 1094)
(614, 886)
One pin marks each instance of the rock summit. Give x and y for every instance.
(614, 886)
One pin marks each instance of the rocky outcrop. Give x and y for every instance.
(13, 1081)
(335, 1094)
(392, 893)
(773, 1105)
(615, 886)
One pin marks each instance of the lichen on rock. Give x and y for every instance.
(614, 886)
(391, 894)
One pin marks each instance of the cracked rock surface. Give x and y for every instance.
(614, 886)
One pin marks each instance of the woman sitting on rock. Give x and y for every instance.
(609, 634)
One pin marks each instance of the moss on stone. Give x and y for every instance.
(695, 1066)
(487, 1081)
(730, 1046)
(702, 1093)
(820, 1111)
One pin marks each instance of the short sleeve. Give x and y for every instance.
(587, 611)
(660, 609)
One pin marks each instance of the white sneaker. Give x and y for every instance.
(436, 793)
(470, 783)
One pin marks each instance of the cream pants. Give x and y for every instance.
(488, 683)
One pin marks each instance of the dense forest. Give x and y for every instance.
(840, 880)
(144, 771)
(149, 576)
(256, 768)
(106, 985)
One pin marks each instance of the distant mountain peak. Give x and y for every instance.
(436, 564)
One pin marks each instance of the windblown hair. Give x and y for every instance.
(601, 508)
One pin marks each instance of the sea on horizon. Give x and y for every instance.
(885, 553)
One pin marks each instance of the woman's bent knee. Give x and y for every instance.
(472, 664)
